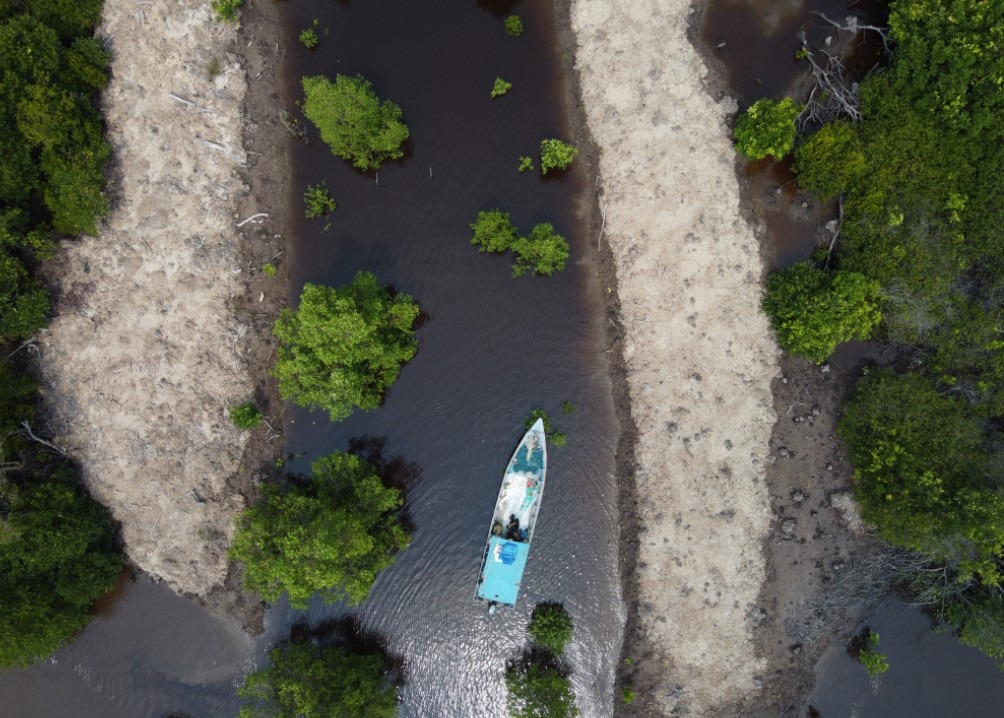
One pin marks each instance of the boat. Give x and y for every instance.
(513, 521)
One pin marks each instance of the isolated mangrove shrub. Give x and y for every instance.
(550, 627)
(494, 231)
(57, 556)
(875, 663)
(539, 691)
(556, 155)
(767, 128)
(318, 201)
(308, 38)
(812, 311)
(226, 10)
(343, 347)
(543, 252)
(353, 121)
(525, 164)
(514, 25)
(500, 88)
(331, 537)
(246, 416)
(304, 680)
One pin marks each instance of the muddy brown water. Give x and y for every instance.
(491, 349)
(756, 42)
(931, 674)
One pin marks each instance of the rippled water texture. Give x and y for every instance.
(492, 348)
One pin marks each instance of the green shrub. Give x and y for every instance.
(812, 311)
(304, 680)
(556, 155)
(318, 201)
(500, 88)
(767, 127)
(627, 694)
(331, 537)
(525, 164)
(514, 25)
(831, 160)
(494, 231)
(537, 691)
(226, 10)
(550, 627)
(544, 252)
(246, 416)
(57, 556)
(268, 269)
(353, 121)
(875, 663)
(308, 38)
(344, 347)
(213, 68)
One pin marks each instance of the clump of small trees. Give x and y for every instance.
(343, 347)
(309, 680)
(556, 155)
(58, 549)
(331, 535)
(538, 683)
(353, 121)
(543, 252)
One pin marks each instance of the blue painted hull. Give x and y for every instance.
(513, 520)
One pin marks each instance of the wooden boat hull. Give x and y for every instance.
(513, 520)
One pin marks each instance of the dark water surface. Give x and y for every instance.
(932, 675)
(756, 40)
(492, 348)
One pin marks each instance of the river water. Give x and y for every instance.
(491, 349)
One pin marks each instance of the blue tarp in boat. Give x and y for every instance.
(503, 570)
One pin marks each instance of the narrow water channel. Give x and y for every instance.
(492, 349)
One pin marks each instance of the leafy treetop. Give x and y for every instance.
(813, 311)
(540, 691)
(308, 681)
(353, 121)
(331, 537)
(556, 155)
(551, 627)
(344, 347)
(767, 128)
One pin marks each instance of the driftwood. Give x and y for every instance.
(252, 217)
(182, 100)
(43, 442)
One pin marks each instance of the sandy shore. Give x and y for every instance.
(698, 353)
(152, 342)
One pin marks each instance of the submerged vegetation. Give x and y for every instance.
(500, 87)
(556, 155)
(331, 536)
(58, 550)
(543, 252)
(914, 157)
(343, 347)
(352, 120)
(514, 25)
(318, 201)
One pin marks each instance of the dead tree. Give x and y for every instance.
(834, 95)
